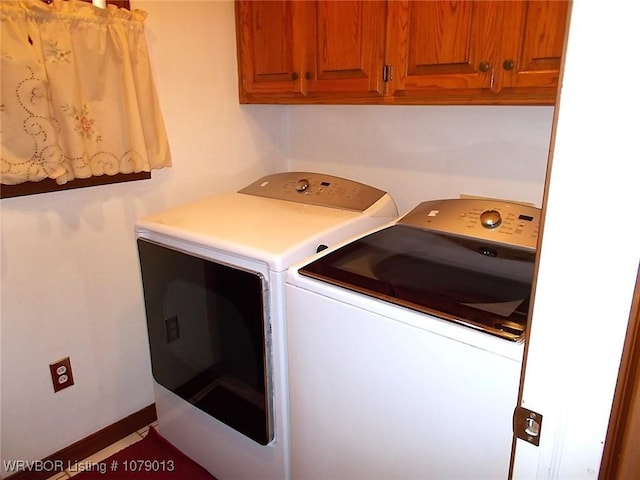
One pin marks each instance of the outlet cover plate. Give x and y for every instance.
(61, 374)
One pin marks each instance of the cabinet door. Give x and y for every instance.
(442, 48)
(533, 44)
(345, 51)
(270, 49)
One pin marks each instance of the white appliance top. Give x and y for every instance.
(269, 229)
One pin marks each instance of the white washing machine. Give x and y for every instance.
(405, 345)
(213, 274)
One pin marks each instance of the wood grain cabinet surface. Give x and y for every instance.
(400, 52)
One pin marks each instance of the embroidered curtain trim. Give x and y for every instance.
(78, 98)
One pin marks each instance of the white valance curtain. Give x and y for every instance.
(78, 98)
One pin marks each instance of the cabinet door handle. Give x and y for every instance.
(307, 75)
(484, 66)
(294, 75)
(508, 64)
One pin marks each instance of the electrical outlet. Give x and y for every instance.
(61, 374)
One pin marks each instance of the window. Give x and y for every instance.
(137, 149)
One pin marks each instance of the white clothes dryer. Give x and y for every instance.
(213, 275)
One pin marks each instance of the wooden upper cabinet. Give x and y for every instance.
(467, 52)
(345, 48)
(440, 48)
(271, 38)
(291, 49)
(400, 51)
(533, 43)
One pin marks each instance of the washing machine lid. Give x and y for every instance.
(472, 280)
(278, 232)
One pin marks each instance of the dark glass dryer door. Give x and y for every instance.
(207, 329)
(479, 284)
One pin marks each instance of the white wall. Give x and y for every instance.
(424, 153)
(70, 281)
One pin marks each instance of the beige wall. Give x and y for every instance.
(423, 153)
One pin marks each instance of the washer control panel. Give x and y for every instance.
(493, 220)
(316, 189)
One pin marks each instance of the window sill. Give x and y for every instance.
(49, 185)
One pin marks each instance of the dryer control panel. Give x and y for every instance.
(493, 220)
(316, 189)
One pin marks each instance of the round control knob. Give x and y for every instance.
(302, 185)
(490, 218)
